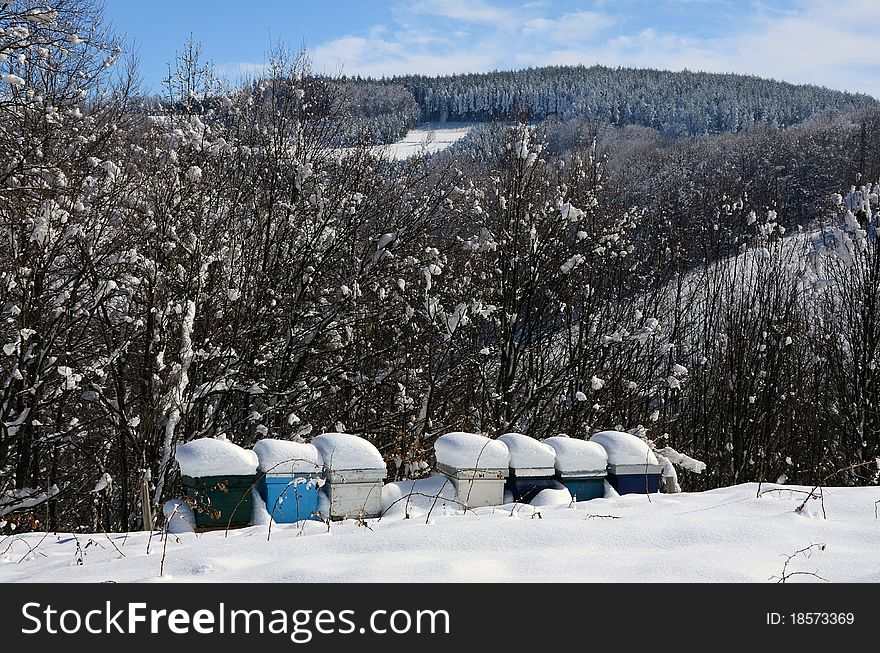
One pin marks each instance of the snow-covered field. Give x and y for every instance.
(726, 535)
(427, 138)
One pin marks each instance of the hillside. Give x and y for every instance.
(676, 103)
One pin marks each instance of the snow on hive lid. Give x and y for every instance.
(287, 457)
(625, 448)
(573, 455)
(527, 452)
(471, 451)
(346, 451)
(215, 457)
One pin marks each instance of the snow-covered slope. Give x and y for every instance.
(723, 535)
(427, 138)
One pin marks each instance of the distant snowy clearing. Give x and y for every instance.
(727, 535)
(427, 138)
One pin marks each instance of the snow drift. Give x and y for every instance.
(411, 499)
(724, 535)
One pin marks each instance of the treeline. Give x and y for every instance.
(376, 114)
(380, 114)
(218, 265)
(674, 103)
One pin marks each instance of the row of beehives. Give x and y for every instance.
(341, 475)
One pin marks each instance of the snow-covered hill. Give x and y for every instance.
(727, 535)
(427, 138)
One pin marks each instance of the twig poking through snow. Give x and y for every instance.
(807, 552)
(821, 495)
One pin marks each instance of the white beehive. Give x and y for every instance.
(476, 466)
(355, 472)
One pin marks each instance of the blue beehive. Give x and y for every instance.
(580, 467)
(526, 488)
(290, 499)
(584, 487)
(291, 478)
(531, 466)
(632, 466)
(635, 479)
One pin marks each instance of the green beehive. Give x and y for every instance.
(220, 501)
(218, 476)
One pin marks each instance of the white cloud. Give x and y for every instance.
(484, 37)
(574, 26)
(376, 57)
(803, 41)
(537, 25)
(241, 70)
(469, 11)
(646, 49)
(811, 41)
(821, 42)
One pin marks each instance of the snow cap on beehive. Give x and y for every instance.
(471, 451)
(215, 457)
(527, 452)
(347, 451)
(573, 455)
(287, 457)
(625, 448)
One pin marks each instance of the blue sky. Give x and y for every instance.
(827, 42)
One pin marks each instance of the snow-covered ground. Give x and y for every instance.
(427, 138)
(723, 535)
